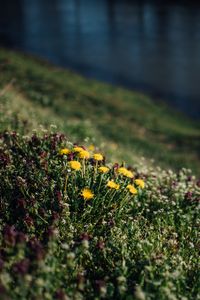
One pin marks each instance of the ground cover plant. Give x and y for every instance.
(74, 226)
(129, 122)
(82, 215)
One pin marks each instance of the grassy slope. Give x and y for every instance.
(129, 124)
(118, 246)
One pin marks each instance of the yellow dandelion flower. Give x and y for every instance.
(140, 183)
(129, 186)
(87, 194)
(113, 185)
(91, 147)
(75, 165)
(103, 169)
(64, 151)
(84, 154)
(78, 149)
(129, 174)
(123, 171)
(132, 189)
(98, 156)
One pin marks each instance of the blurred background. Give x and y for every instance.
(149, 46)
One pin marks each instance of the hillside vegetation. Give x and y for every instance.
(130, 123)
(82, 215)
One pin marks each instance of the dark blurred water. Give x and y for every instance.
(144, 45)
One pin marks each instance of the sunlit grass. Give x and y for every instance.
(128, 120)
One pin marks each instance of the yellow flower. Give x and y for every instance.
(103, 169)
(91, 148)
(131, 189)
(140, 183)
(87, 194)
(129, 174)
(113, 185)
(129, 186)
(84, 154)
(98, 156)
(75, 165)
(125, 172)
(78, 149)
(64, 151)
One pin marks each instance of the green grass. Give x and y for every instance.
(130, 124)
(132, 240)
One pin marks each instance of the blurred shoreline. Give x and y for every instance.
(145, 46)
